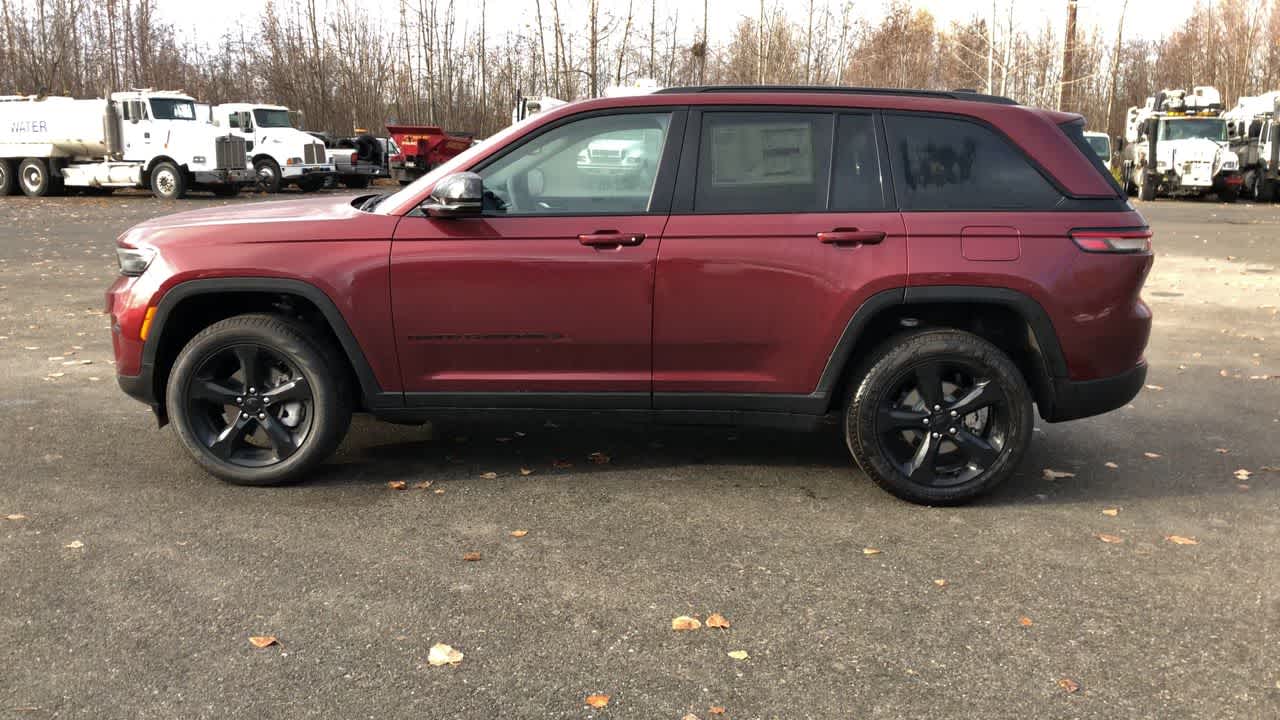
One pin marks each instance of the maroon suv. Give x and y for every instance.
(927, 264)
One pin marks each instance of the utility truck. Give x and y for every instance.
(421, 149)
(1176, 145)
(1253, 129)
(134, 139)
(280, 153)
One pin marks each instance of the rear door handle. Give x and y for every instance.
(851, 236)
(611, 238)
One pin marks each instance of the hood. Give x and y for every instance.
(309, 220)
(198, 137)
(1192, 149)
(285, 136)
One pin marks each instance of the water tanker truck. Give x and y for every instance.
(135, 139)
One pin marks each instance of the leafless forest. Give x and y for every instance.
(344, 66)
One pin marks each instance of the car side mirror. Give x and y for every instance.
(457, 195)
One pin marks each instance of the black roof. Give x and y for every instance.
(940, 94)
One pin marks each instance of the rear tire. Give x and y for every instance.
(900, 427)
(168, 181)
(1228, 195)
(33, 177)
(228, 190)
(1264, 190)
(358, 182)
(311, 183)
(8, 184)
(259, 399)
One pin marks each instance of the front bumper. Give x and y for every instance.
(1075, 399)
(223, 177)
(293, 172)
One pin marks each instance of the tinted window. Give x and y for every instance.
(855, 175)
(763, 162)
(951, 164)
(604, 164)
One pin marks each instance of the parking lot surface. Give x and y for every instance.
(130, 582)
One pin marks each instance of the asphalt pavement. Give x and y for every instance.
(131, 582)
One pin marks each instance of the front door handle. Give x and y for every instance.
(851, 236)
(611, 238)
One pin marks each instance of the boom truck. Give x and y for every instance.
(1176, 145)
(133, 139)
(1253, 129)
(281, 154)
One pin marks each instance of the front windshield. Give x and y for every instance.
(172, 109)
(272, 118)
(1101, 146)
(393, 204)
(1191, 128)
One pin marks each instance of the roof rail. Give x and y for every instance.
(943, 94)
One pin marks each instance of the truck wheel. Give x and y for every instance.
(8, 185)
(1264, 190)
(1148, 189)
(268, 174)
(1228, 195)
(33, 177)
(939, 417)
(311, 183)
(228, 190)
(359, 182)
(259, 399)
(168, 182)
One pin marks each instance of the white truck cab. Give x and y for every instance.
(280, 153)
(1176, 145)
(137, 138)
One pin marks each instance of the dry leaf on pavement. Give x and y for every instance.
(597, 701)
(397, 485)
(1025, 621)
(15, 516)
(1057, 474)
(471, 556)
(438, 491)
(1222, 451)
(1157, 388)
(1068, 685)
(716, 620)
(263, 641)
(1151, 455)
(941, 582)
(684, 622)
(519, 533)
(598, 458)
(739, 654)
(871, 551)
(422, 485)
(1113, 539)
(526, 471)
(689, 716)
(490, 476)
(1242, 474)
(716, 710)
(1111, 512)
(561, 464)
(441, 654)
(1112, 465)
(74, 545)
(1180, 540)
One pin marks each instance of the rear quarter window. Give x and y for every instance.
(944, 163)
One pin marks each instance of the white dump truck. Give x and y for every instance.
(1176, 145)
(1253, 128)
(281, 154)
(135, 139)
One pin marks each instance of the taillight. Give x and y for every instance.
(354, 157)
(1128, 240)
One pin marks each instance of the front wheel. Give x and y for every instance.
(940, 417)
(269, 176)
(168, 182)
(257, 400)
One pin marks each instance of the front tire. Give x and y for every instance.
(257, 400)
(939, 417)
(269, 177)
(168, 181)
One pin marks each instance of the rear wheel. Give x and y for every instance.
(358, 182)
(227, 190)
(311, 183)
(168, 182)
(257, 400)
(33, 177)
(1228, 195)
(8, 185)
(940, 417)
(1264, 190)
(1148, 189)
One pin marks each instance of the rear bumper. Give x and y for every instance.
(1074, 399)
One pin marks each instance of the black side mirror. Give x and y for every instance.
(457, 195)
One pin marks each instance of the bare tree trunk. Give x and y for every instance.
(808, 48)
(559, 50)
(622, 46)
(760, 50)
(1115, 69)
(593, 47)
(1068, 58)
(542, 47)
(653, 38)
(991, 50)
(706, 48)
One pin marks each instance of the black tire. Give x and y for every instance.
(311, 183)
(923, 453)
(1264, 190)
(358, 182)
(229, 425)
(1228, 195)
(33, 177)
(8, 183)
(168, 181)
(226, 190)
(268, 174)
(1148, 189)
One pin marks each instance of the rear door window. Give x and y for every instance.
(756, 162)
(943, 163)
(856, 182)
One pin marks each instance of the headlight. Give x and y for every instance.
(198, 159)
(134, 261)
(293, 161)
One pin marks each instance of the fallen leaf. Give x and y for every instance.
(490, 476)
(438, 491)
(1068, 685)
(519, 533)
(1151, 455)
(1112, 465)
(716, 620)
(471, 556)
(597, 701)
(1180, 540)
(1111, 512)
(871, 551)
(422, 485)
(941, 582)
(397, 485)
(1224, 373)
(15, 516)
(598, 458)
(1242, 487)
(684, 622)
(1242, 474)
(526, 471)
(1025, 621)
(1113, 539)
(74, 545)
(1269, 468)
(1157, 388)
(1222, 451)
(689, 716)
(262, 641)
(441, 654)
(716, 710)
(1057, 474)
(739, 654)
(561, 464)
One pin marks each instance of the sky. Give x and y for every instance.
(208, 21)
